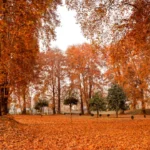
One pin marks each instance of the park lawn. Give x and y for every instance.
(83, 133)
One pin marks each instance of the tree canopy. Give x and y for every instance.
(98, 103)
(116, 98)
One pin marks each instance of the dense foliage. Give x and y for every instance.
(116, 98)
(40, 104)
(70, 101)
(97, 103)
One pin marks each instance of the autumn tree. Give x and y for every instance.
(98, 103)
(40, 104)
(70, 101)
(52, 77)
(116, 98)
(127, 56)
(83, 71)
(21, 22)
(130, 56)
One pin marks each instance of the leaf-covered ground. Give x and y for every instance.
(83, 133)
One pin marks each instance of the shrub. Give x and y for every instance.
(40, 103)
(97, 102)
(70, 101)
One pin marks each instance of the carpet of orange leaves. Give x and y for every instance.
(83, 133)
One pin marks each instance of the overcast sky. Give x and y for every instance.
(69, 33)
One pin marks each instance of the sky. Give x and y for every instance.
(69, 32)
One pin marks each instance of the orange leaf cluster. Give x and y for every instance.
(84, 133)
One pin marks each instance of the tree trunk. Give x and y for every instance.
(59, 91)
(82, 109)
(142, 101)
(54, 111)
(90, 93)
(70, 109)
(90, 87)
(5, 103)
(24, 102)
(3, 99)
(0, 103)
(97, 113)
(88, 108)
(70, 113)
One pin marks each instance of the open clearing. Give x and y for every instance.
(83, 133)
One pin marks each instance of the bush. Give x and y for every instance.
(40, 103)
(97, 102)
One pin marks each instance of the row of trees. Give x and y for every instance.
(76, 71)
(125, 26)
(82, 70)
(115, 100)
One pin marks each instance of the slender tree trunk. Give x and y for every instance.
(3, 99)
(90, 92)
(5, 108)
(0, 110)
(81, 95)
(86, 99)
(24, 102)
(0, 102)
(81, 98)
(88, 108)
(82, 109)
(70, 112)
(54, 111)
(142, 101)
(90, 87)
(59, 100)
(70, 109)
(97, 113)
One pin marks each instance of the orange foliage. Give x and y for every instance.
(84, 73)
(22, 23)
(84, 133)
